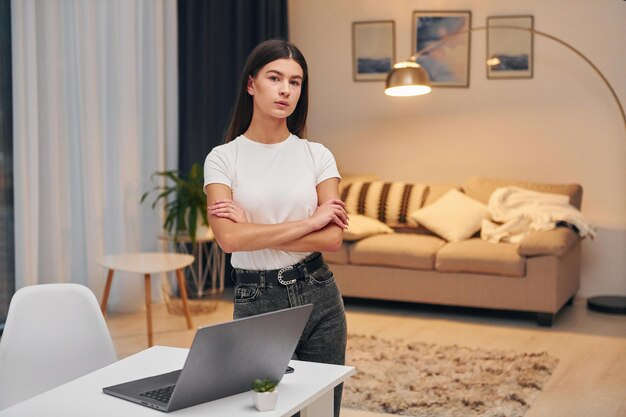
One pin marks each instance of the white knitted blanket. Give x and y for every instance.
(515, 212)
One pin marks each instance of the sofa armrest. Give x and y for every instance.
(554, 242)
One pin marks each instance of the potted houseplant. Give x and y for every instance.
(185, 202)
(265, 394)
(185, 220)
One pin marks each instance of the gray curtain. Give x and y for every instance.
(7, 253)
(214, 40)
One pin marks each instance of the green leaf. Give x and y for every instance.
(183, 198)
(264, 385)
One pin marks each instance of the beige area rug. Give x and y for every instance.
(421, 379)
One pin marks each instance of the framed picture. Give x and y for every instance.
(509, 51)
(447, 33)
(373, 49)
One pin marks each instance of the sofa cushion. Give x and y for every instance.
(389, 202)
(338, 257)
(454, 216)
(436, 191)
(549, 242)
(360, 227)
(402, 250)
(482, 188)
(347, 179)
(479, 256)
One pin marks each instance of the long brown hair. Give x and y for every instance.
(261, 55)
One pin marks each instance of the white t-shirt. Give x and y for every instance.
(273, 183)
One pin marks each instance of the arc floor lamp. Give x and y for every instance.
(409, 78)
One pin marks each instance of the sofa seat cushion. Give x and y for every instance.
(481, 257)
(339, 257)
(402, 250)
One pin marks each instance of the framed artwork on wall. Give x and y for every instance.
(373, 49)
(447, 64)
(509, 51)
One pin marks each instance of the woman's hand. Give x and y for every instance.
(332, 211)
(228, 209)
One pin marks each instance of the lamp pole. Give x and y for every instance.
(411, 74)
(445, 39)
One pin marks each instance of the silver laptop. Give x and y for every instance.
(223, 360)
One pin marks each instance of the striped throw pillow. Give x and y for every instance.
(389, 202)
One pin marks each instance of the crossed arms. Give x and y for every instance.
(323, 231)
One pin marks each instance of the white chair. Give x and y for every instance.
(54, 333)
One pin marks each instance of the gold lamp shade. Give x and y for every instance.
(407, 79)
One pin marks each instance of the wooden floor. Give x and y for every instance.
(589, 381)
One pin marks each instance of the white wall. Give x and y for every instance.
(561, 126)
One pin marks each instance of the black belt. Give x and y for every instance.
(286, 276)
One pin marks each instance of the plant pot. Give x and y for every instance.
(204, 233)
(265, 401)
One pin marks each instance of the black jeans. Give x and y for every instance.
(324, 336)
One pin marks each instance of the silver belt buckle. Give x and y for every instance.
(280, 275)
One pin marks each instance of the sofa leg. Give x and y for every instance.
(570, 302)
(545, 319)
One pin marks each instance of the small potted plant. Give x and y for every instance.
(265, 394)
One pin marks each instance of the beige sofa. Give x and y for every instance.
(540, 274)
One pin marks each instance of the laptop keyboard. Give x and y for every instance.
(160, 394)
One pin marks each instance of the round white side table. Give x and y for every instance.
(147, 263)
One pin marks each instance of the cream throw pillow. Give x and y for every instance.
(454, 216)
(360, 227)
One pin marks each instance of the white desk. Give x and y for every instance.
(309, 388)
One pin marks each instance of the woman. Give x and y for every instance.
(273, 202)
